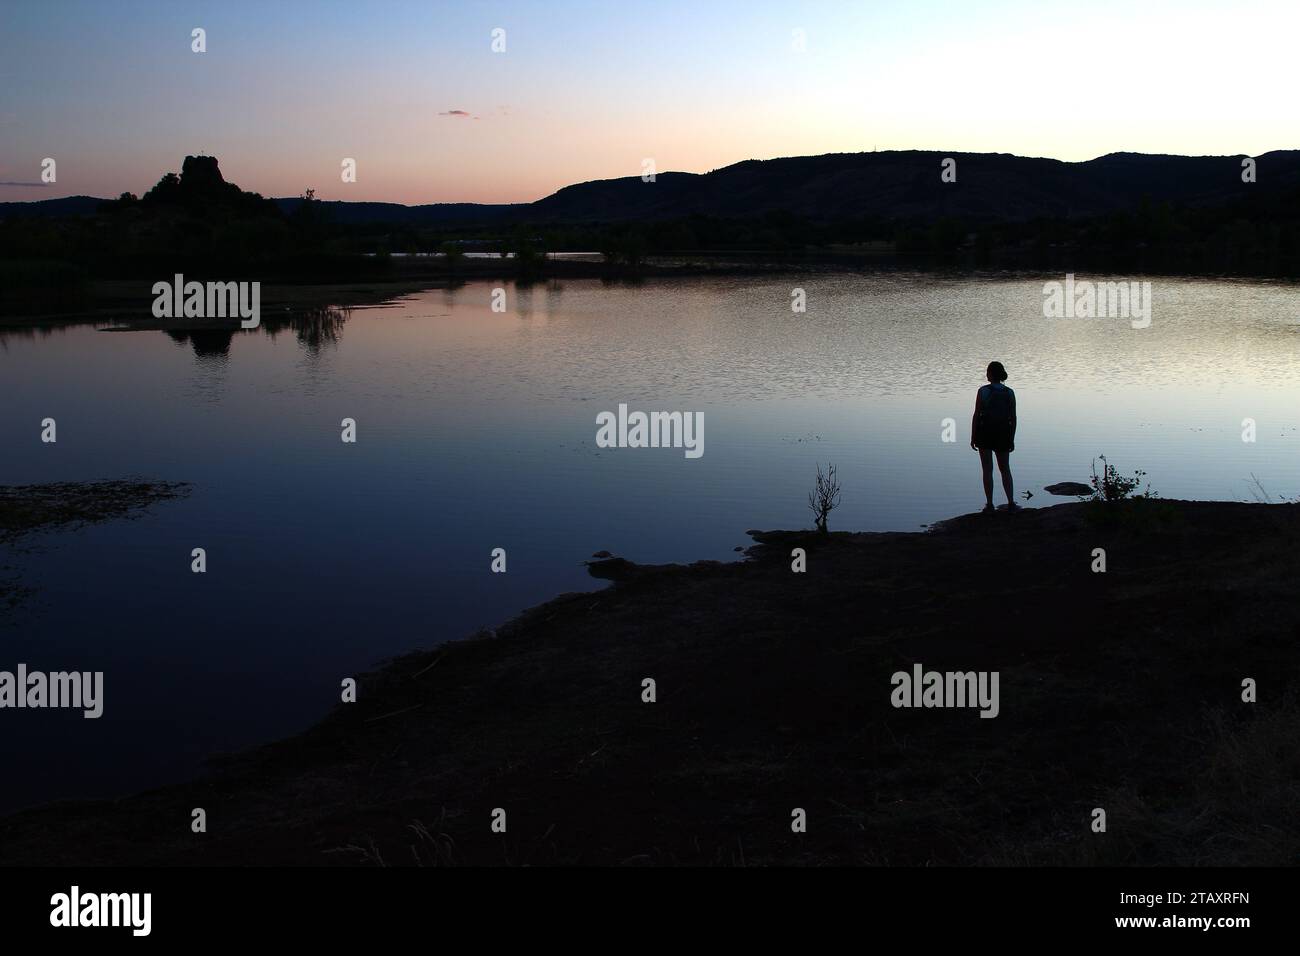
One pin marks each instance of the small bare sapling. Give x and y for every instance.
(825, 497)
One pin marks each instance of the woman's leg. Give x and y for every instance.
(986, 463)
(1004, 466)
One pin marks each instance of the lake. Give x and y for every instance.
(476, 430)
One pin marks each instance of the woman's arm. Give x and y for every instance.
(973, 419)
(1013, 421)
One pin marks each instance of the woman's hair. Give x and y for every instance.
(995, 372)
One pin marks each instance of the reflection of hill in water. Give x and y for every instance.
(206, 342)
(314, 328)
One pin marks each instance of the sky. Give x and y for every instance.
(416, 95)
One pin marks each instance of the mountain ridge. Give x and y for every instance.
(892, 184)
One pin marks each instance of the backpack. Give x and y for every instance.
(996, 405)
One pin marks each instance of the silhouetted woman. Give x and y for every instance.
(993, 431)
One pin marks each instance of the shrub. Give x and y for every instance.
(1110, 486)
(824, 497)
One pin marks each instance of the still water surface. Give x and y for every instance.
(476, 430)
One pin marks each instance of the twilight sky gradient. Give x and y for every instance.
(585, 90)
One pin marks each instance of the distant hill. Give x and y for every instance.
(888, 185)
(52, 208)
(451, 213)
(992, 186)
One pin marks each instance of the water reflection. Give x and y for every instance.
(456, 399)
(207, 343)
(314, 328)
(317, 328)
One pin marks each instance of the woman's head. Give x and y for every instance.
(995, 372)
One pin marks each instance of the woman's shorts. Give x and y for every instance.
(993, 438)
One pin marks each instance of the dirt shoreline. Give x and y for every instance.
(1120, 690)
